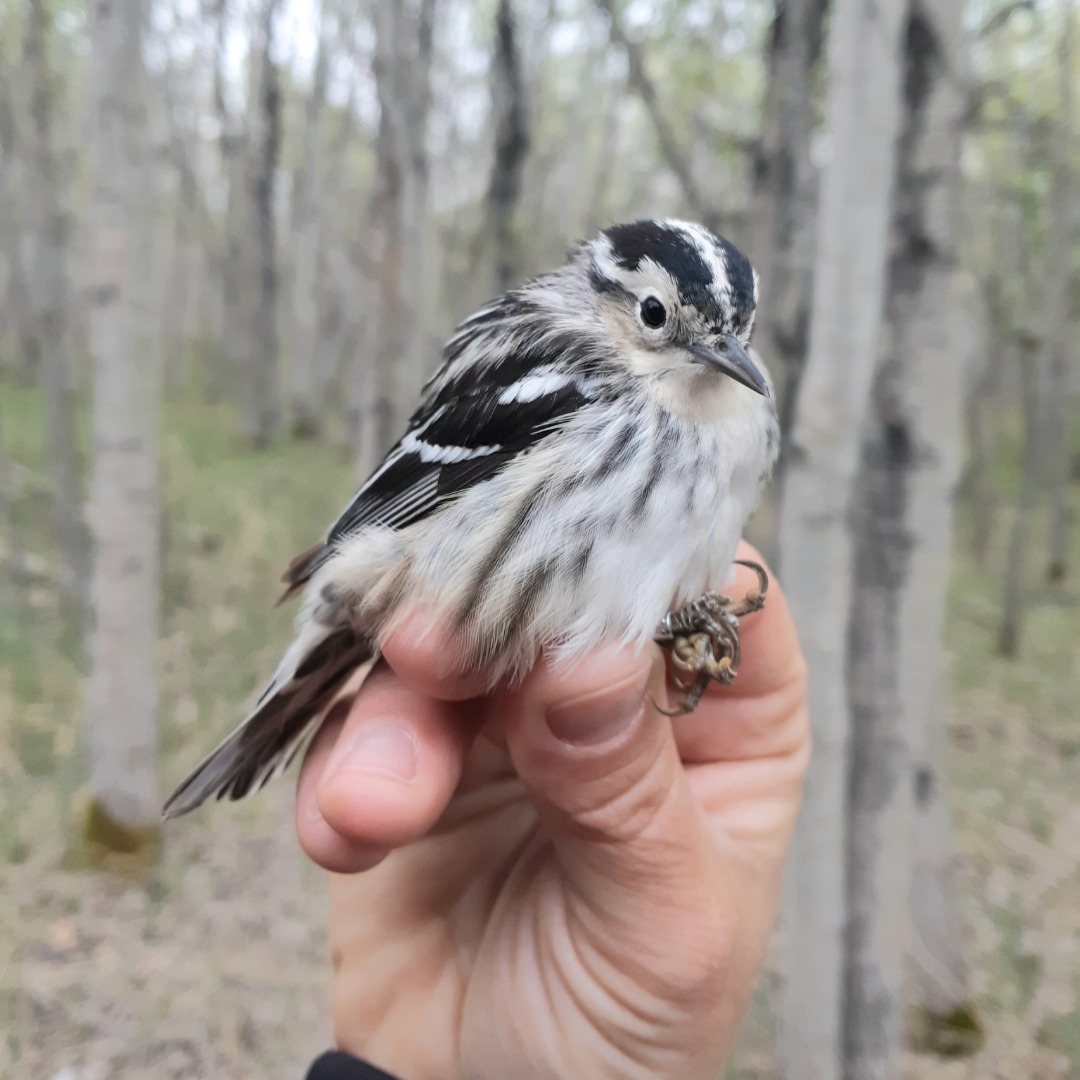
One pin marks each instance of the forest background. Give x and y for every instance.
(233, 235)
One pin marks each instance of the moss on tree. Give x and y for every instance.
(958, 1033)
(111, 845)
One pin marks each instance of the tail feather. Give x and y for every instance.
(288, 713)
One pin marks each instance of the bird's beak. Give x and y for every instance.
(730, 357)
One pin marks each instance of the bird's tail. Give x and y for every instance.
(310, 674)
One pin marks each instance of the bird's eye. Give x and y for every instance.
(653, 312)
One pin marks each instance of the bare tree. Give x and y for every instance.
(1014, 599)
(986, 364)
(511, 146)
(642, 85)
(816, 543)
(404, 40)
(933, 350)
(785, 190)
(304, 336)
(234, 321)
(125, 510)
(53, 302)
(19, 320)
(1059, 339)
(903, 514)
(14, 589)
(261, 392)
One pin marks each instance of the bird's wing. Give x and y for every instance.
(461, 436)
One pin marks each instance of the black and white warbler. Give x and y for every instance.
(582, 463)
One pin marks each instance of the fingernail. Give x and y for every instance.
(379, 750)
(596, 717)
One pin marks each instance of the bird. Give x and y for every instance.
(578, 473)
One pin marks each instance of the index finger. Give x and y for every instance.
(424, 658)
(757, 716)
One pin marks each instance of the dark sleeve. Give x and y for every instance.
(337, 1065)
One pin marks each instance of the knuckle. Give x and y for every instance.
(627, 810)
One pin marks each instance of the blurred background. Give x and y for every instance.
(234, 233)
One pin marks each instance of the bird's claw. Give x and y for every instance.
(703, 637)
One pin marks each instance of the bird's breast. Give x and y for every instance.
(587, 540)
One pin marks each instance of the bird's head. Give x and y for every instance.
(676, 299)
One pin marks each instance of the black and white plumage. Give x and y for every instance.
(583, 461)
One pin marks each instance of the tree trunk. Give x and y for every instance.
(125, 506)
(420, 254)
(387, 216)
(879, 771)
(976, 487)
(816, 544)
(53, 300)
(945, 1021)
(262, 411)
(903, 514)
(304, 336)
(18, 305)
(511, 148)
(234, 321)
(784, 193)
(933, 321)
(1059, 339)
(1014, 599)
(15, 295)
(14, 593)
(404, 39)
(783, 207)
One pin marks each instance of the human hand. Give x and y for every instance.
(555, 881)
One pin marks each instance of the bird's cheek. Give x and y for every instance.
(648, 363)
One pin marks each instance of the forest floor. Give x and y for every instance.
(212, 962)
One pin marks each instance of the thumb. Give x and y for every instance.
(600, 765)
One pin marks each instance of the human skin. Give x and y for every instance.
(555, 880)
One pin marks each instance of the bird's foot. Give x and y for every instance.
(703, 637)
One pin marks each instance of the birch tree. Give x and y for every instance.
(304, 336)
(931, 320)
(404, 35)
(815, 540)
(903, 514)
(234, 322)
(511, 147)
(125, 510)
(785, 189)
(52, 304)
(261, 391)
